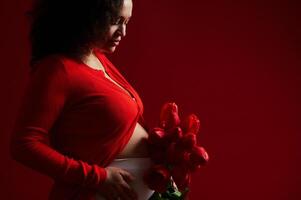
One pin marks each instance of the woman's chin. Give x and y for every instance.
(109, 49)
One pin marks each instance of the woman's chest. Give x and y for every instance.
(94, 95)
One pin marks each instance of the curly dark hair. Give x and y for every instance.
(69, 27)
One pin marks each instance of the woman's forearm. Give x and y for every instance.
(31, 148)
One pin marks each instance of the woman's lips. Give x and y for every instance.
(115, 42)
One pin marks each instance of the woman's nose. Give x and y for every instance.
(122, 30)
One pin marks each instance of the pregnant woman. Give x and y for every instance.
(81, 122)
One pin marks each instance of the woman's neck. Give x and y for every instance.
(92, 61)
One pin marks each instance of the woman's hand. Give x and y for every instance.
(116, 186)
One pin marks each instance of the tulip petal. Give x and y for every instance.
(169, 117)
(198, 157)
(157, 178)
(191, 124)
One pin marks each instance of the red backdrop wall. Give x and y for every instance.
(236, 64)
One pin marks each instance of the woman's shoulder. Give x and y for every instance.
(50, 69)
(49, 62)
(55, 63)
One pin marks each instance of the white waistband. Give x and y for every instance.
(136, 159)
(137, 167)
(132, 163)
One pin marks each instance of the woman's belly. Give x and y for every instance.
(134, 158)
(137, 167)
(137, 145)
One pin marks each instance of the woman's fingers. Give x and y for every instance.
(126, 192)
(117, 185)
(129, 191)
(127, 176)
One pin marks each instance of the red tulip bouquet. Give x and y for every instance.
(175, 153)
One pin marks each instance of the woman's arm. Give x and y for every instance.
(46, 94)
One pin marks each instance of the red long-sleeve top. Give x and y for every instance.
(73, 122)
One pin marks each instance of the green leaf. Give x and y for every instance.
(177, 193)
(170, 194)
(155, 196)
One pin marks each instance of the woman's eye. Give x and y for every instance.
(120, 20)
(116, 21)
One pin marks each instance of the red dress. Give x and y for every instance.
(73, 122)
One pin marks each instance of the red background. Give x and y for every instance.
(236, 64)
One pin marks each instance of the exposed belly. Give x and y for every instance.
(136, 147)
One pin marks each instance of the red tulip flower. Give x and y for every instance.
(156, 136)
(169, 117)
(158, 154)
(191, 124)
(198, 157)
(174, 134)
(173, 149)
(177, 155)
(181, 176)
(157, 178)
(187, 142)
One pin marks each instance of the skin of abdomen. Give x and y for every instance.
(136, 147)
